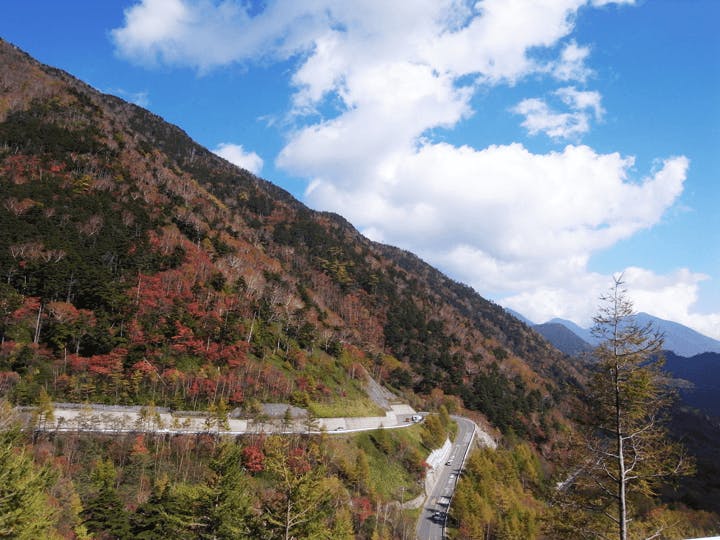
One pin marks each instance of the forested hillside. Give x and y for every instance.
(137, 266)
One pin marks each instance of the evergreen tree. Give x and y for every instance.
(104, 513)
(168, 513)
(25, 513)
(626, 451)
(342, 526)
(433, 433)
(46, 409)
(149, 522)
(362, 471)
(226, 507)
(302, 501)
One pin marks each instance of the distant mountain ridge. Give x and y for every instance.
(682, 359)
(563, 338)
(703, 371)
(679, 339)
(583, 333)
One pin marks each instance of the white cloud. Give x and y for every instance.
(600, 3)
(540, 118)
(237, 155)
(671, 296)
(582, 100)
(208, 33)
(571, 64)
(518, 226)
(503, 203)
(492, 38)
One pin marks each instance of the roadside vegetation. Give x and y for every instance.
(81, 485)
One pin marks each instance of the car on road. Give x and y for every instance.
(438, 516)
(452, 476)
(449, 462)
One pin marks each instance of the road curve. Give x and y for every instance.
(432, 518)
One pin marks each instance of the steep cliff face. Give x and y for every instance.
(138, 265)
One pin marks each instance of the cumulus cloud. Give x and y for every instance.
(541, 118)
(206, 33)
(237, 155)
(502, 216)
(582, 100)
(571, 64)
(490, 38)
(518, 226)
(671, 296)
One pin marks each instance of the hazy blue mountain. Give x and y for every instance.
(582, 333)
(563, 338)
(680, 339)
(703, 371)
(520, 317)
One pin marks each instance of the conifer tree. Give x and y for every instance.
(226, 505)
(25, 513)
(301, 502)
(626, 451)
(104, 514)
(342, 525)
(169, 512)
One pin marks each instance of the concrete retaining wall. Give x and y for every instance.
(439, 456)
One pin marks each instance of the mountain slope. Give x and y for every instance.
(138, 266)
(563, 338)
(583, 333)
(703, 371)
(680, 339)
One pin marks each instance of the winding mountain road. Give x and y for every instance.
(431, 524)
(121, 419)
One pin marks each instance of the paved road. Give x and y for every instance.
(119, 419)
(429, 527)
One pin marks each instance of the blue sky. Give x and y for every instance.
(530, 148)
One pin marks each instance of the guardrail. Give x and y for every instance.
(70, 417)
